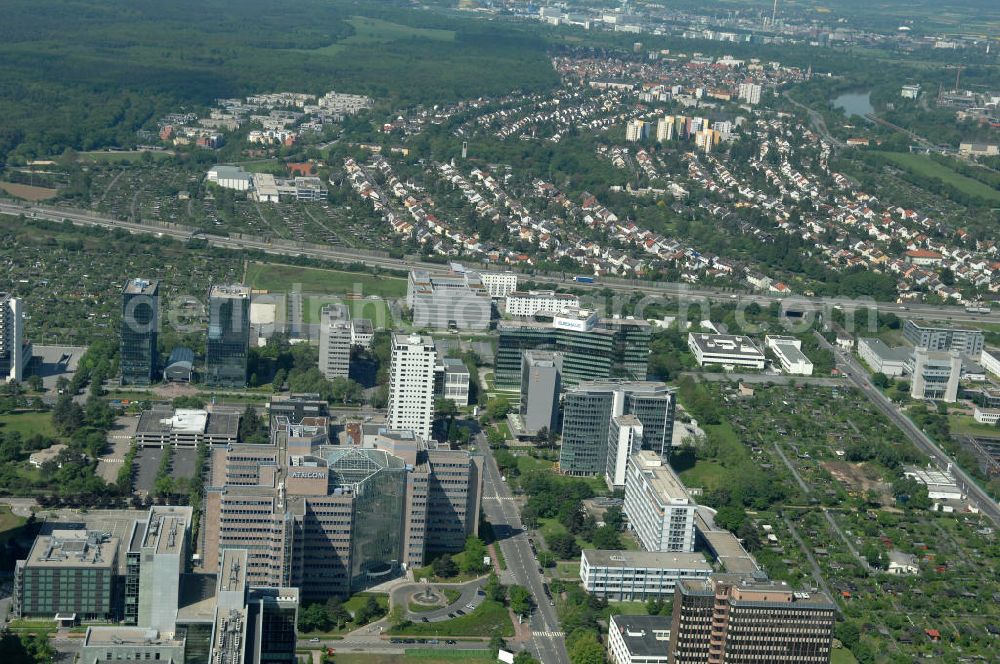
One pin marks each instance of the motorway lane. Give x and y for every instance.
(859, 376)
(667, 289)
(501, 510)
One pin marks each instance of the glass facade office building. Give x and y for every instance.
(139, 326)
(228, 342)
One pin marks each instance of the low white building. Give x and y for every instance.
(986, 415)
(230, 177)
(883, 359)
(725, 349)
(902, 563)
(639, 639)
(499, 284)
(529, 303)
(636, 576)
(990, 359)
(940, 485)
(788, 350)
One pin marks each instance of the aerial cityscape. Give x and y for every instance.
(533, 332)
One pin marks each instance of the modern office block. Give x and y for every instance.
(456, 301)
(228, 342)
(890, 361)
(968, 342)
(529, 303)
(587, 412)
(337, 519)
(411, 383)
(540, 386)
(139, 329)
(15, 351)
(451, 381)
(591, 347)
(163, 558)
(660, 511)
(935, 374)
(70, 573)
(335, 341)
(732, 619)
(788, 350)
(725, 350)
(636, 576)
(624, 440)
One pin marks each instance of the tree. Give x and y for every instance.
(847, 633)
(585, 649)
(563, 545)
(880, 380)
(524, 657)
(497, 642)
(35, 383)
(337, 613)
(444, 567)
(546, 559)
(495, 590)
(314, 619)
(614, 518)
(397, 617)
(731, 518)
(520, 600)
(369, 611)
(251, 428)
(606, 537)
(498, 408)
(472, 557)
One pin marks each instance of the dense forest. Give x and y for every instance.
(84, 74)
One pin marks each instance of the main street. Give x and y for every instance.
(680, 291)
(859, 376)
(501, 510)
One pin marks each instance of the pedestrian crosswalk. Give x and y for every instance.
(551, 635)
(498, 498)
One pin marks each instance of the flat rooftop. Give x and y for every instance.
(791, 353)
(234, 291)
(74, 549)
(661, 477)
(166, 528)
(885, 352)
(647, 560)
(730, 344)
(122, 636)
(644, 636)
(141, 287)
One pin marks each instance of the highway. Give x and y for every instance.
(859, 376)
(501, 510)
(655, 290)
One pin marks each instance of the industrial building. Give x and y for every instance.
(588, 410)
(228, 343)
(456, 301)
(139, 330)
(659, 508)
(735, 619)
(636, 576)
(726, 350)
(591, 347)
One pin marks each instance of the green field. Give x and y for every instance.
(28, 424)
(369, 30)
(376, 311)
(128, 155)
(426, 656)
(9, 524)
(706, 474)
(842, 656)
(280, 278)
(965, 425)
(924, 166)
(487, 617)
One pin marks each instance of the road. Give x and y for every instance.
(681, 291)
(502, 511)
(469, 599)
(818, 123)
(859, 376)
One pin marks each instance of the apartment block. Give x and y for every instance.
(15, 350)
(660, 510)
(336, 339)
(411, 383)
(525, 304)
(624, 440)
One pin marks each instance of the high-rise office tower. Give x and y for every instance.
(624, 440)
(733, 619)
(15, 353)
(587, 412)
(139, 329)
(335, 341)
(540, 383)
(411, 384)
(228, 340)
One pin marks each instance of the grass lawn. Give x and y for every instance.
(28, 424)
(526, 464)
(551, 526)
(568, 570)
(369, 30)
(280, 278)
(428, 656)
(9, 524)
(427, 572)
(627, 609)
(705, 474)
(965, 425)
(487, 617)
(377, 311)
(924, 166)
(842, 656)
(357, 601)
(128, 155)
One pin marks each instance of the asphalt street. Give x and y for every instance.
(502, 511)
